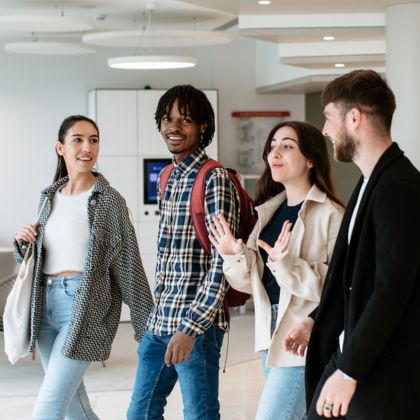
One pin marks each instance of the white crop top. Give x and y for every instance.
(67, 233)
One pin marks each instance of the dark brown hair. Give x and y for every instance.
(61, 170)
(365, 90)
(312, 145)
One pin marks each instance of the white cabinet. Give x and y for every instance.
(116, 116)
(122, 174)
(212, 149)
(150, 140)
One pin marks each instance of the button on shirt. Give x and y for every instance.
(189, 284)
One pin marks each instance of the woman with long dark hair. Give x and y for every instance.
(284, 262)
(87, 262)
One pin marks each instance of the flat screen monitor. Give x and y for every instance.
(151, 171)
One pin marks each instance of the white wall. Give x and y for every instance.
(37, 93)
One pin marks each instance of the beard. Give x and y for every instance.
(345, 150)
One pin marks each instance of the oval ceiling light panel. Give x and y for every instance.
(151, 62)
(34, 23)
(49, 48)
(156, 39)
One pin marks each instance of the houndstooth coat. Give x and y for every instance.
(113, 273)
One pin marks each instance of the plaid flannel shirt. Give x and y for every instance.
(189, 284)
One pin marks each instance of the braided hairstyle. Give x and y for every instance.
(191, 102)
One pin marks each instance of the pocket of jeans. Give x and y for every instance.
(71, 286)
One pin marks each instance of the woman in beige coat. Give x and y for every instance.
(284, 262)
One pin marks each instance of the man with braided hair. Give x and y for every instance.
(187, 323)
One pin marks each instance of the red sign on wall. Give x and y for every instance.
(253, 114)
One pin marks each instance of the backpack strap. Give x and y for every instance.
(164, 176)
(197, 203)
(197, 198)
(199, 221)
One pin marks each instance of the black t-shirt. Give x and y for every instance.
(270, 235)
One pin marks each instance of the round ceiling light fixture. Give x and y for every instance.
(36, 23)
(156, 39)
(152, 62)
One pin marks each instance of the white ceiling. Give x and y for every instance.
(251, 7)
(297, 26)
(123, 14)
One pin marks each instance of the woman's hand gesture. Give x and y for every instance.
(221, 237)
(27, 233)
(281, 246)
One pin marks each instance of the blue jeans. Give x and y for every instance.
(283, 395)
(62, 394)
(198, 378)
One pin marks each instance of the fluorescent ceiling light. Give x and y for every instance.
(339, 65)
(152, 62)
(49, 48)
(328, 38)
(264, 2)
(36, 23)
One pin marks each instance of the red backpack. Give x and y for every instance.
(233, 298)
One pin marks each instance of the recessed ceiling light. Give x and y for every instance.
(328, 38)
(339, 65)
(264, 2)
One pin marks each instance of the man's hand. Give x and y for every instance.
(336, 395)
(179, 348)
(297, 338)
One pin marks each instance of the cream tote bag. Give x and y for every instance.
(16, 317)
(16, 312)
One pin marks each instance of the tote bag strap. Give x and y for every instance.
(41, 209)
(29, 250)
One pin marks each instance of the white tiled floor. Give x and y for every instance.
(109, 388)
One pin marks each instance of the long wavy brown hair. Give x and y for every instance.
(312, 145)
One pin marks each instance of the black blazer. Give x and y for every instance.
(372, 291)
